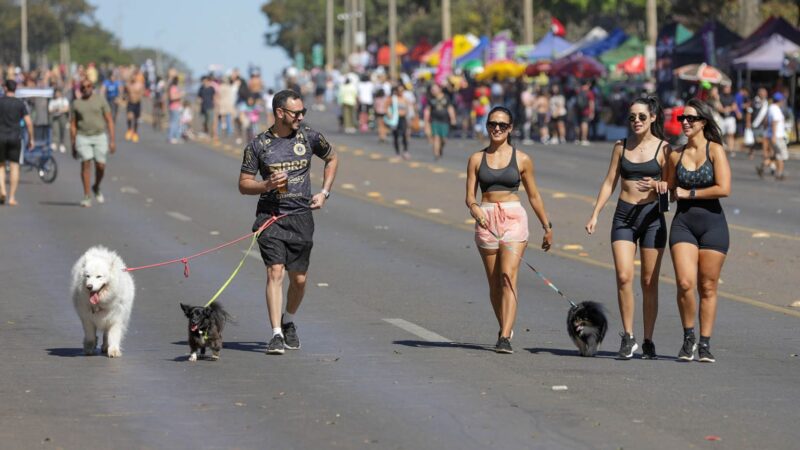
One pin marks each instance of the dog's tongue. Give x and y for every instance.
(194, 327)
(94, 298)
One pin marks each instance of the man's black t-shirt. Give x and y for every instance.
(268, 153)
(12, 110)
(206, 94)
(439, 109)
(728, 100)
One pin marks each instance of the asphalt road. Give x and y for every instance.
(396, 327)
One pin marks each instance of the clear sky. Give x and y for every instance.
(229, 33)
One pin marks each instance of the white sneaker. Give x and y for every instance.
(62, 148)
(86, 202)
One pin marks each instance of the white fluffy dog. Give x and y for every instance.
(102, 293)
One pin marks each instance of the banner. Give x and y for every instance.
(445, 62)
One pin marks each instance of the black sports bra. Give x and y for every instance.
(701, 177)
(636, 171)
(505, 179)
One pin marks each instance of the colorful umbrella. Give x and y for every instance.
(702, 72)
(501, 70)
(579, 67)
(538, 67)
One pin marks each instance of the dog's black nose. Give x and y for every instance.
(90, 287)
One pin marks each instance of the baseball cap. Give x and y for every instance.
(777, 96)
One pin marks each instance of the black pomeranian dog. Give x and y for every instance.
(205, 328)
(587, 326)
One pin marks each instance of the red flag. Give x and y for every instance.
(557, 27)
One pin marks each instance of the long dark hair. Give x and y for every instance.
(654, 106)
(504, 110)
(711, 128)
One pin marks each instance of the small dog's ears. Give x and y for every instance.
(186, 308)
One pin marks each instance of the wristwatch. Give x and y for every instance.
(549, 226)
(326, 193)
(692, 193)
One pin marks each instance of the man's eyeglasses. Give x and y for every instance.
(642, 117)
(688, 118)
(503, 126)
(294, 114)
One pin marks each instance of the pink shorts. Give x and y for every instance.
(508, 220)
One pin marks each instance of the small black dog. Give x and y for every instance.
(587, 326)
(205, 328)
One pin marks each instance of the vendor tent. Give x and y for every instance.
(548, 47)
(768, 56)
(630, 48)
(612, 41)
(773, 25)
(596, 34)
(705, 45)
(476, 53)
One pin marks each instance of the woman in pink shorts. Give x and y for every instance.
(501, 223)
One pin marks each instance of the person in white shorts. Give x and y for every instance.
(91, 115)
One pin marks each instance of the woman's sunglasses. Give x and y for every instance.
(642, 117)
(688, 118)
(503, 126)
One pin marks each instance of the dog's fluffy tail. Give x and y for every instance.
(220, 312)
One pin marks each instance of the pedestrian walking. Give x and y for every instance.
(348, 95)
(439, 116)
(501, 223)
(12, 112)
(698, 239)
(640, 162)
(558, 115)
(282, 156)
(206, 95)
(776, 137)
(134, 92)
(112, 89)
(91, 119)
(585, 108)
(59, 117)
(174, 103)
(396, 120)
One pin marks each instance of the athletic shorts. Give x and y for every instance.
(10, 150)
(641, 224)
(441, 129)
(701, 223)
(728, 126)
(135, 108)
(288, 241)
(508, 220)
(92, 147)
(780, 149)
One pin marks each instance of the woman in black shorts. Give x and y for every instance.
(700, 175)
(640, 162)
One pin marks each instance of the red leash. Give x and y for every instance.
(185, 260)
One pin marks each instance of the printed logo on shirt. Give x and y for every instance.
(299, 149)
(288, 165)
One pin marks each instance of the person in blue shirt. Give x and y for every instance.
(112, 87)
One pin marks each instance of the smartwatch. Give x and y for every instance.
(326, 193)
(692, 193)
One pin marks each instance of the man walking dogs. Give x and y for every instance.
(282, 155)
(91, 115)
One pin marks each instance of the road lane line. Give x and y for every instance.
(417, 330)
(179, 216)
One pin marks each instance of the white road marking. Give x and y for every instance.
(434, 211)
(179, 216)
(417, 330)
(128, 190)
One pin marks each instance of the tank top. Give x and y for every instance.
(701, 177)
(498, 180)
(636, 171)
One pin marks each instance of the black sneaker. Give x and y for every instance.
(627, 346)
(290, 339)
(688, 349)
(275, 346)
(760, 171)
(503, 346)
(649, 350)
(704, 354)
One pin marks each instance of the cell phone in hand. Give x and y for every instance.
(663, 202)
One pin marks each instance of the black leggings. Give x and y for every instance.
(701, 223)
(400, 132)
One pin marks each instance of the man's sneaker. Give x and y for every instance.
(704, 354)
(135, 137)
(98, 195)
(275, 346)
(649, 350)
(290, 339)
(128, 135)
(86, 202)
(627, 346)
(760, 170)
(688, 349)
(503, 346)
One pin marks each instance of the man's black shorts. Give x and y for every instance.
(288, 241)
(135, 109)
(10, 150)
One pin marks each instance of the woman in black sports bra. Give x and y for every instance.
(501, 223)
(700, 176)
(639, 161)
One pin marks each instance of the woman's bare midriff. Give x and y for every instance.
(631, 194)
(499, 197)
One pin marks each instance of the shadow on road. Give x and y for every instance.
(244, 346)
(48, 203)
(570, 352)
(469, 346)
(65, 352)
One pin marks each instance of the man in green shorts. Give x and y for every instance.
(91, 115)
(439, 117)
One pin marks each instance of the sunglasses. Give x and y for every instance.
(688, 118)
(503, 126)
(295, 113)
(642, 117)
